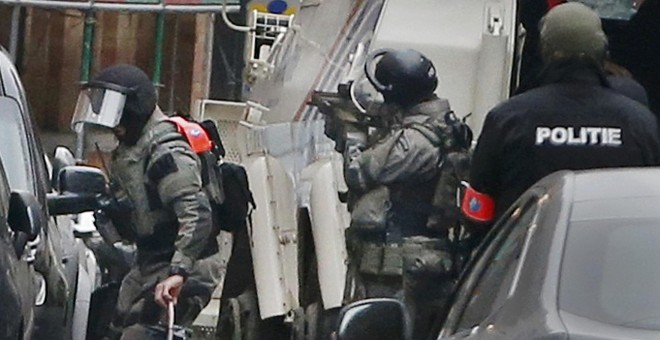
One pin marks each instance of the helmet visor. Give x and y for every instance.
(99, 106)
(364, 95)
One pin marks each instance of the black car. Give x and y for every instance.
(20, 222)
(60, 259)
(575, 257)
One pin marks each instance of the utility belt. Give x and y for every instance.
(419, 256)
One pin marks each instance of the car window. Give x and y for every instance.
(19, 87)
(610, 272)
(13, 146)
(34, 143)
(612, 9)
(497, 275)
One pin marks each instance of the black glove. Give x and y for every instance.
(332, 128)
(105, 227)
(118, 209)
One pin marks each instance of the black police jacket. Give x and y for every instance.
(572, 121)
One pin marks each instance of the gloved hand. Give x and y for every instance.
(355, 143)
(106, 228)
(342, 131)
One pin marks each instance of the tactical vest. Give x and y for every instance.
(155, 226)
(430, 252)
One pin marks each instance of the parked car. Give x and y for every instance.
(62, 262)
(20, 222)
(575, 257)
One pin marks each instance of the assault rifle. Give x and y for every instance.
(341, 106)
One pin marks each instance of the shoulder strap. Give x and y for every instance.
(428, 132)
(432, 130)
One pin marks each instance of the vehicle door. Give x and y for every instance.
(17, 290)
(22, 153)
(487, 285)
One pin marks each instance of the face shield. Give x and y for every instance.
(100, 104)
(364, 95)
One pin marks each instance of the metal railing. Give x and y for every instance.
(91, 5)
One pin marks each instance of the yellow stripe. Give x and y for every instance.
(263, 8)
(291, 10)
(259, 7)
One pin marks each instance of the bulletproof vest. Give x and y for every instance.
(154, 226)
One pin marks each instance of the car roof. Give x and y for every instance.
(624, 193)
(616, 183)
(8, 85)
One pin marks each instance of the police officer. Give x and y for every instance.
(391, 176)
(159, 204)
(531, 13)
(572, 120)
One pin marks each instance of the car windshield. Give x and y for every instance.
(610, 272)
(612, 9)
(13, 145)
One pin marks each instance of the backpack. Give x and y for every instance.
(454, 139)
(226, 184)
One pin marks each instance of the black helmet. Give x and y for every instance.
(405, 77)
(121, 95)
(141, 101)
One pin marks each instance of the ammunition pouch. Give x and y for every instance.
(417, 257)
(370, 211)
(381, 259)
(425, 257)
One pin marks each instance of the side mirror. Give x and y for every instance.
(374, 319)
(62, 158)
(79, 188)
(24, 219)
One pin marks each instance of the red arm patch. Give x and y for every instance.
(477, 206)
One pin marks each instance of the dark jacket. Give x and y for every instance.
(172, 215)
(573, 120)
(629, 87)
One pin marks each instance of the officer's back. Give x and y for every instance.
(572, 120)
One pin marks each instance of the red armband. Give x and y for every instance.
(477, 206)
